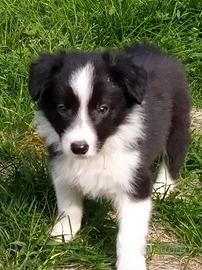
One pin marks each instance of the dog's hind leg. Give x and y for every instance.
(164, 183)
(176, 149)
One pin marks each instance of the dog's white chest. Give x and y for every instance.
(102, 175)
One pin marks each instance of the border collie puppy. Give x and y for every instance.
(106, 117)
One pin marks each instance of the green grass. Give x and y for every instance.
(27, 200)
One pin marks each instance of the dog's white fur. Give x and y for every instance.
(81, 83)
(132, 233)
(164, 183)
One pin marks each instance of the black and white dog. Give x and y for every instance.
(105, 118)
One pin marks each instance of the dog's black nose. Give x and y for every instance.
(79, 147)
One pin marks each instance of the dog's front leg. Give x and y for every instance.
(133, 227)
(70, 209)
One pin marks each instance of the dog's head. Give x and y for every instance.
(86, 96)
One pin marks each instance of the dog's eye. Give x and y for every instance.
(103, 109)
(61, 108)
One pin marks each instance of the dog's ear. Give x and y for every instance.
(131, 77)
(41, 72)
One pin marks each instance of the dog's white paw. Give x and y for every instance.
(135, 263)
(163, 189)
(164, 183)
(65, 230)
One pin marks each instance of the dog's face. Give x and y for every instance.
(85, 97)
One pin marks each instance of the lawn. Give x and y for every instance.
(27, 200)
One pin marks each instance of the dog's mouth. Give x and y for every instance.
(81, 157)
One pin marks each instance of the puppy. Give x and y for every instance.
(106, 117)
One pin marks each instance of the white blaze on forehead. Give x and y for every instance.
(82, 129)
(81, 82)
